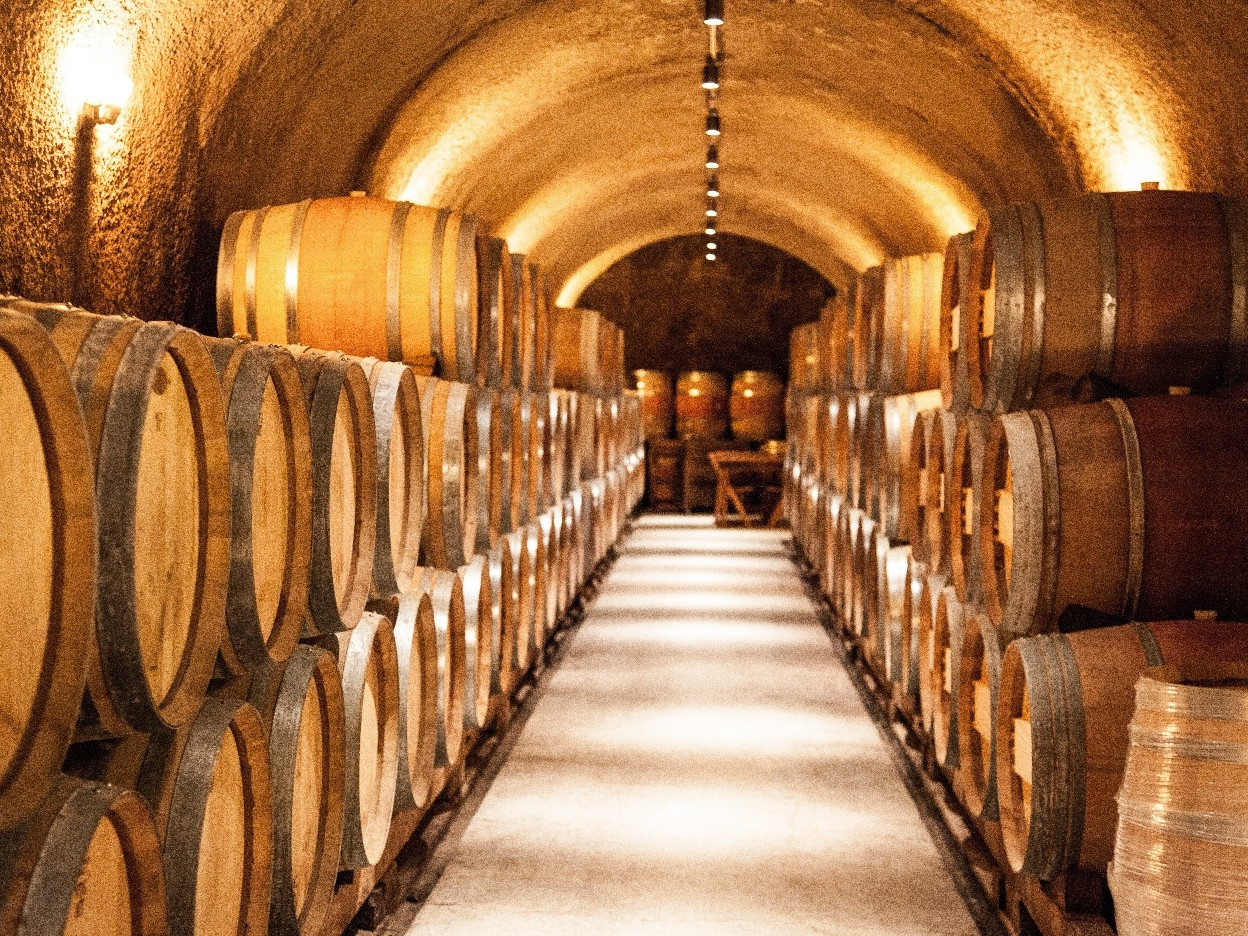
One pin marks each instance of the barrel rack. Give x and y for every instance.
(1000, 901)
(385, 898)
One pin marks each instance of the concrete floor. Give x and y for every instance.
(699, 764)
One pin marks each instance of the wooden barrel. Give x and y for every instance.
(86, 863)
(572, 449)
(835, 343)
(955, 310)
(369, 667)
(864, 583)
(868, 316)
(539, 583)
(886, 444)
(366, 276)
(522, 596)
(1180, 852)
(525, 310)
(270, 448)
(804, 371)
(917, 494)
(963, 508)
(846, 520)
(46, 528)
(400, 475)
(489, 466)
(908, 349)
(540, 450)
(550, 524)
(307, 728)
(756, 406)
(513, 483)
(908, 657)
(344, 489)
(1149, 494)
(450, 618)
(156, 428)
(496, 337)
(478, 640)
(416, 648)
(945, 653)
(979, 673)
(940, 488)
(578, 349)
(503, 618)
(657, 402)
(589, 410)
(1064, 707)
(449, 418)
(701, 405)
(830, 569)
(848, 433)
(930, 676)
(1137, 290)
(544, 352)
(558, 422)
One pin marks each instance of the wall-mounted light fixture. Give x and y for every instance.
(712, 187)
(714, 15)
(95, 78)
(711, 212)
(712, 157)
(710, 256)
(712, 122)
(711, 246)
(710, 74)
(710, 230)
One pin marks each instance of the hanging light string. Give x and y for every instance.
(713, 18)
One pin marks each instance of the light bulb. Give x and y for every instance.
(714, 13)
(711, 246)
(710, 232)
(710, 74)
(711, 212)
(712, 123)
(712, 157)
(712, 187)
(710, 256)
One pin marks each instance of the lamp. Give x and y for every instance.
(710, 74)
(710, 256)
(714, 13)
(712, 122)
(712, 187)
(712, 157)
(710, 230)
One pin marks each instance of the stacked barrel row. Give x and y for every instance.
(260, 599)
(1022, 490)
(705, 406)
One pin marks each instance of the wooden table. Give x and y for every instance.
(742, 474)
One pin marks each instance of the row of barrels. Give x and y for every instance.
(703, 405)
(400, 282)
(1105, 294)
(1018, 577)
(202, 533)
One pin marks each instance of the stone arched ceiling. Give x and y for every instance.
(852, 129)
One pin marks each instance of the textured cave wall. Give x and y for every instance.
(680, 311)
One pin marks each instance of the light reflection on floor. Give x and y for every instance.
(699, 764)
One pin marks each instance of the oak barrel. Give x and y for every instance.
(979, 674)
(940, 488)
(489, 467)
(963, 506)
(478, 640)
(916, 490)
(944, 653)
(886, 445)
(503, 617)
(756, 406)
(1149, 493)
(804, 366)
(496, 323)
(366, 276)
(908, 346)
(522, 597)
(48, 575)
(930, 590)
(955, 332)
(544, 343)
(449, 418)
(87, 863)
(416, 645)
(912, 596)
(344, 488)
(578, 347)
(657, 402)
(1062, 744)
(539, 583)
(446, 594)
(701, 406)
(868, 320)
(513, 482)
(1139, 290)
(270, 446)
(525, 302)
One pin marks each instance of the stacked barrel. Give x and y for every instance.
(1017, 469)
(262, 600)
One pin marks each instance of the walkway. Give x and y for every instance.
(699, 764)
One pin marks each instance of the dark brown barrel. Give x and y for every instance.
(885, 445)
(1065, 704)
(271, 489)
(368, 664)
(306, 751)
(524, 296)
(756, 406)
(449, 417)
(940, 488)
(1138, 290)
(513, 482)
(446, 594)
(496, 313)
(979, 673)
(416, 643)
(658, 404)
(156, 425)
(489, 467)
(948, 626)
(964, 490)
(400, 475)
(955, 332)
(504, 615)
(701, 405)
(578, 344)
(522, 595)
(344, 489)
(1179, 851)
(87, 863)
(1149, 494)
(366, 276)
(48, 573)
(930, 588)
(478, 640)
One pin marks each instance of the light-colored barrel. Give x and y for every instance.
(940, 488)
(366, 276)
(979, 673)
(930, 588)
(503, 618)
(544, 350)
(446, 594)
(908, 347)
(478, 640)
(956, 307)
(539, 582)
(756, 406)
(449, 418)
(489, 467)
(522, 596)
(887, 443)
(701, 405)
(416, 648)
(963, 509)
(944, 673)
